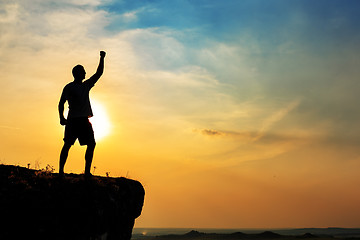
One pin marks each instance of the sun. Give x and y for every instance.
(100, 120)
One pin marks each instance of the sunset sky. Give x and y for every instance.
(231, 113)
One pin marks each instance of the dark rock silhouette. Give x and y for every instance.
(37, 204)
(269, 234)
(308, 235)
(194, 233)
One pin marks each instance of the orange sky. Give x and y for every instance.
(224, 131)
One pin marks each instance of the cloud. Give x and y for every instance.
(156, 49)
(9, 13)
(130, 16)
(221, 133)
(9, 127)
(50, 25)
(211, 132)
(253, 136)
(263, 131)
(86, 2)
(276, 117)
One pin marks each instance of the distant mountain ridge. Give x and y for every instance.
(284, 234)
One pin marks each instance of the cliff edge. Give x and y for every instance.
(37, 204)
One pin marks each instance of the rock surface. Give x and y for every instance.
(37, 204)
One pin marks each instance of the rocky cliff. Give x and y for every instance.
(37, 204)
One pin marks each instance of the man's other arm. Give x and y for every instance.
(62, 101)
(94, 78)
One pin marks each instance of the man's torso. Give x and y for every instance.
(77, 95)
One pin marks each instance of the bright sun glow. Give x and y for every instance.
(100, 121)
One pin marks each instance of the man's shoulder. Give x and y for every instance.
(73, 84)
(69, 85)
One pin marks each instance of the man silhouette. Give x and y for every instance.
(77, 124)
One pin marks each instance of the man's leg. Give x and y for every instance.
(63, 157)
(89, 157)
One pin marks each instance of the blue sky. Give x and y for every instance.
(271, 21)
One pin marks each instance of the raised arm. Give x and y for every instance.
(94, 78)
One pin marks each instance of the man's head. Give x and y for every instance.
(78, 72)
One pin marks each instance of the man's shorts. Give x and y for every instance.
(79, 128)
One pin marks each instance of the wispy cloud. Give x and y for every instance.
(9, 13)
(276, 117)
(133, 15)
(211, 132)
(9, 127)
(130, 16)
(253, 136)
